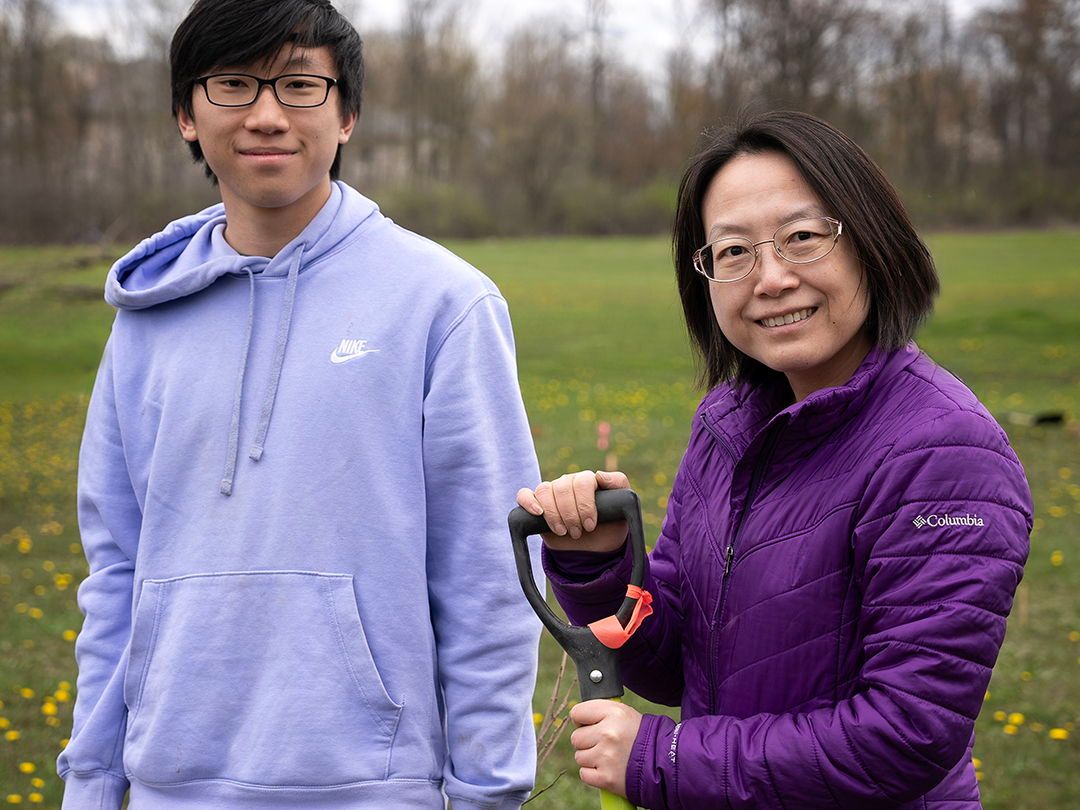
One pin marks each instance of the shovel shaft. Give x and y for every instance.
(612, 801)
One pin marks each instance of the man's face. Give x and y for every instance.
(266, 155)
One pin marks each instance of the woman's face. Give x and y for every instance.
(752, 196)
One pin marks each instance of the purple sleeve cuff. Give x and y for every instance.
(646, 775)
(588, 585)
(580, 566)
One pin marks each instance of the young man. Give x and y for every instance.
(303, 442)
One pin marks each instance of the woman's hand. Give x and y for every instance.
(568, 504)
(603, 742)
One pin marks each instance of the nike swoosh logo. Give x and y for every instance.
(345, 358)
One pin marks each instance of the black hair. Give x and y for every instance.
(899, 270)
(216, 33)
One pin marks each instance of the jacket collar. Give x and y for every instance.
(737, 413)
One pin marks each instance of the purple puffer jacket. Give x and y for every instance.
(830, 591)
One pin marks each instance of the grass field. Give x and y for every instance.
(599, 339)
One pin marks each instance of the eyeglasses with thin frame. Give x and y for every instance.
(290, 89)
(801, 241)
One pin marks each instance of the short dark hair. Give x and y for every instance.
(899, 270)
(241, 32)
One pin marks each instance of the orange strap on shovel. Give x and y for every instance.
(610, 632)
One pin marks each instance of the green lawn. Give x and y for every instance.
(599, 339)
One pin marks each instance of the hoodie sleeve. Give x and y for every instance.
(109, 521)
(650, 662)
(934, 604)
(478, 452)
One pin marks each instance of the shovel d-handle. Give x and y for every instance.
(597, 665)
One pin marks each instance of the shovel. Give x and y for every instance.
(596, 661)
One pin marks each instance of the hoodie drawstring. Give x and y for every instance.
(275, 374)
(279, 357)
(234, 427)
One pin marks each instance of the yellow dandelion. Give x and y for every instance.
(12, 735)
(70, 635)
(986, 697)
(1057, 557)
(1025, 676)
(14, 798)
(36, 798)
(4, 722)
(75, 548)
(27, 767)
(63, 695)
(21, 607)
(37, 782)
(976, 762)
(1074, 635)
(1036, 727)
(1057, 511)
(537, 718)
(64, 742)
(26, 545)
(1016, 719)
(48, 709)
(978, 776)
(52, 722)
(1010, 729)
(48, 565)
(1059, 734)
(1064, 473)
(999, 715)
(35, 613)
(39, 590)
(65, 685)
(26, 692)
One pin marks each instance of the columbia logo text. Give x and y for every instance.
(934, 521)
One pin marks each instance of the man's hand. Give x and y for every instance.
(603, 742)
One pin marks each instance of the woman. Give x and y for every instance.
(847, 527)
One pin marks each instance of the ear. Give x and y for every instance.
(348, 123)
(186, 125)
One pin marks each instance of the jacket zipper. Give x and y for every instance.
(758, 474)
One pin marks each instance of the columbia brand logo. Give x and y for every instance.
(934, 521)
(350, 350)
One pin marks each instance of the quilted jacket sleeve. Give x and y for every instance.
(934, 602)
(650, 662)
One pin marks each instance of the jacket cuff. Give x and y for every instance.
(651, 770)
(594, 579)
(97, 790)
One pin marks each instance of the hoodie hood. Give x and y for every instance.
(191, 253)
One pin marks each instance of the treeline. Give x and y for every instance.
(558, 129)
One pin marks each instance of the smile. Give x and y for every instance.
(259, 154)
(790, 318)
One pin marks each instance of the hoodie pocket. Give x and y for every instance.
(263, 678)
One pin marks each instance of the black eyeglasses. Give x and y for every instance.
(290, 89)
